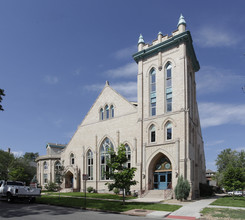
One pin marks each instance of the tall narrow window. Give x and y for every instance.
(169, 132)
(72, 159)
(112, 111)
(152, 134)
(168, 87)
(45, 165)
(45, 178)
(104, 157)
(101, 114)
(128, 154)
(107, 112)
(153, 92)
(90, 163)
(57, 167)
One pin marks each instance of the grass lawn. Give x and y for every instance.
(229, 201)
(216, 213)
(92, 195)
(103, 204)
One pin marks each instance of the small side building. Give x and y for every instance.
(46, 164)
(210, 174)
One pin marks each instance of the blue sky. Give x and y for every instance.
(55, 56)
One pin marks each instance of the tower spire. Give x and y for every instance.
(181, 24)
(141, 39)
(181, 20)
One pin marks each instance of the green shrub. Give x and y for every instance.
(53, 187)
(116, 191)
(182, 189)
(206, 190)
(90, 189)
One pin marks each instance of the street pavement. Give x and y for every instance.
(25, 211)
(190, 210)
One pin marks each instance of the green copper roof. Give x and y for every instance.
(141, 40)
(181, 20)
(168, 44)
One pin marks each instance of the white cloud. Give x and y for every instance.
(214, 114)
(214, 143)
(216, 37)
(126, 52)
(127, 70)
(126, 89)
(17, 153)
(211, 79)
(51, 79)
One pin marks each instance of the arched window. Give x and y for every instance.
(106, 146)
(72, 159)
(128, 154)
(90, 163)
(168, 84)
(169, 131)
(101, 114)
(153, 92)
(112, 111)
(57, 165)
(107, 112)
(152, 134)
(58, 176)
(45, 165)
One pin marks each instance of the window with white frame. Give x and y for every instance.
(45, 178)
(152, 133)
(101, 114)
(153, 92)
(128, 154)
(168, 84)
(45, 165)
(169, 131)
(106, 146)
(107, 112)
(72, 159)
(112, 111)
(90, 163)
(57, 165)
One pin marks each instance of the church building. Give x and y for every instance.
(161, 131)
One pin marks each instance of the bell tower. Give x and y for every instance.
(167, 102)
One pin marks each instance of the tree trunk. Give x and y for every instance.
(123, 196)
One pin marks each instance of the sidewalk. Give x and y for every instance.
(191, 210)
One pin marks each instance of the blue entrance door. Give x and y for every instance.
(162, 180)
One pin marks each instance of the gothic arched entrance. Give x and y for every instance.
(68, 180)
(160, 173)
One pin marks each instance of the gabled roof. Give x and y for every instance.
(61, 146)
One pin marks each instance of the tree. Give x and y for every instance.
(182, 189)
(30, 156)
(6, 162)
(1, 94)
(16, 168)
(122, 175)
(231, 169)
(59, 175)
(234, 178)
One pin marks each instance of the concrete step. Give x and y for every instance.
(164, 194)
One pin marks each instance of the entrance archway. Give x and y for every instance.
(68, 180)
(160, 173)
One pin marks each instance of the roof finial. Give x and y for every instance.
(107, 83)
(181, 20)
(141, 40)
